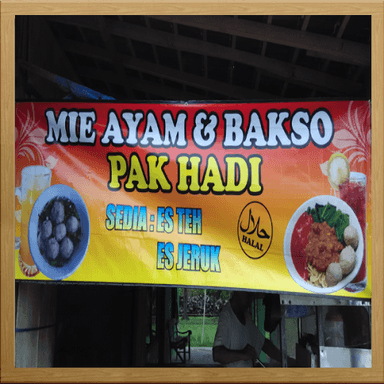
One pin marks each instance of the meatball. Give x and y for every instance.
(351, 236)
(72, 224)
(333, 275)
(66, 248)
(41, 243)
(60, 232)
(46, 229)
(52, 249)
(347, 260)
(57, 212)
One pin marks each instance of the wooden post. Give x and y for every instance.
(202, 333)
(35, 325)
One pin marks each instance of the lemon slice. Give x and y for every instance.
(338, 170)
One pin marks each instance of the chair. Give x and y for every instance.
(179, 341)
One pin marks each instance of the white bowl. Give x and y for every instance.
(59, 273)
(343, 207)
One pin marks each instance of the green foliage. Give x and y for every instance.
(224, 295)
(195, 324)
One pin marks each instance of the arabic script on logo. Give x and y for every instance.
(254, 230)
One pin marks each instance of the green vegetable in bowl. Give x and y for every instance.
(333, 216)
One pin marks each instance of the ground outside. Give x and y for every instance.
(200, 356)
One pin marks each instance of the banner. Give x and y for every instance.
(266, 196)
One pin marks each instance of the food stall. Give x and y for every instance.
(269, 196)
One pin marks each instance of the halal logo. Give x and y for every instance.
(254, 230)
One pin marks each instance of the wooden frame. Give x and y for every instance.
(9, 9)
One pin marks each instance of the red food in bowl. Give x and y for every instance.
(299, 241)
(323, 246)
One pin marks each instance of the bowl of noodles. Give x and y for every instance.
(323, 245)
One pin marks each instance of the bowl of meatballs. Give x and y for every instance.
(323, 245)
(59, 231)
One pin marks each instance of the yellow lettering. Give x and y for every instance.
(237, 174)
(118, 168)
(212, 176)
(255, 162)
(185, 172)
(156, 174)
(136, 175)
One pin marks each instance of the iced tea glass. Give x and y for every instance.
(34, 180)
(354, 193)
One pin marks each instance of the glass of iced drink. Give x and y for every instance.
(354, 192)
(34, 180)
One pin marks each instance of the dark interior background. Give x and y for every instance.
(195, 57)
